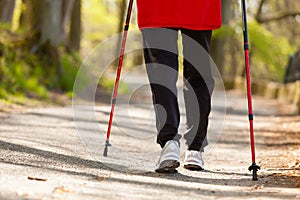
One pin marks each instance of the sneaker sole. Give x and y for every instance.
(193, 167)
(168, 166)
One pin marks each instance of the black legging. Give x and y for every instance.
(160, 50)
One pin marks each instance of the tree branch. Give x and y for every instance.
(278, 16)
(259, 10)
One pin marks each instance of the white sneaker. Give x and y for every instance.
(193, 161)
(169, 158)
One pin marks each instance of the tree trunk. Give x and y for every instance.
(50, 21)
(122, 10)
(46, 23)
(67, 7)
(24, 20)
(44, 31)
(75, 29)
(7, 10)
(121, 15)
(259, 10)
(29, 18)
(218, 44)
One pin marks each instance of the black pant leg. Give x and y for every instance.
(161, 58)
(198, 86)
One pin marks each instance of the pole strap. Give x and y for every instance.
(126, 27)
(246, 46)
(251, 117)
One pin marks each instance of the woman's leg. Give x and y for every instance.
(198, 86)
(161, 58)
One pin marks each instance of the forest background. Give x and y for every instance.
(43, 42)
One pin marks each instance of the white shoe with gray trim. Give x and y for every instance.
(169, 158)
(193, 161)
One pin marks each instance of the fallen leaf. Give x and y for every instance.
(100, 178)
(22, 194)
(36, 179)
(154, 174)
(256, 187)
(61, 189)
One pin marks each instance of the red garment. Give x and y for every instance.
(189, 14)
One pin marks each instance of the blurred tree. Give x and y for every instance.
(278, 15)
(274, 27)
(281, 17)
(122, 10)
(54, 21)
(121, 18)
(67, 7)
(218, 43)
(47, 20)
(75, 29)
(25, 15)
(43, 18)
(6, 10)
(47, 23)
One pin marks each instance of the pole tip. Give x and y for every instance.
(254, 175)
(254, 167)
(105, 151)
(107, 144)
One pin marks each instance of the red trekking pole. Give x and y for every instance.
(254, 167)
(114, 98)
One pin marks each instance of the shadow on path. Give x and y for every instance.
(76, 162)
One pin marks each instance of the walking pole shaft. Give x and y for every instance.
(120, 63)
(253, 167)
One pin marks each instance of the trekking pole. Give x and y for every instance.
(114, 98)
(254, 167)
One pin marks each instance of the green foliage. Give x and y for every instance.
(101, 21)
(25, 73)
(15, 73)
(108, 84)
(70, 66)
(224, 32)
(17, 78)
(269, 52)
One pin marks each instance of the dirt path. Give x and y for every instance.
(42, 157)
